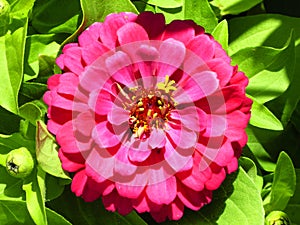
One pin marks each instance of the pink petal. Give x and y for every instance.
(68, 83)
(118, 115)
(100, 163)
(232, 166)
(90, 35)
(103, 136)
(84, 123)
(101, 102)
(69, 165)
(163, 192)
(198, 86)
(94, 78)
(79, 183)
(65, 138)
(53, 81)
(182, 137)
(202, 46)
(154, 24)
(123, 166)
(129, 191)
(93, 51)
(176, 209)
(216, 125)
(114, 202)
(223, 70)
(180, 31)
(71, 59)
(157, 138)
(193, 199)
(119, 66)
(131, 32)
(139, 151)
(218, 176)
(112, 23)
(140, 204)
(171, 56)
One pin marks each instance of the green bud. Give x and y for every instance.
(19, 163)
(277, 218)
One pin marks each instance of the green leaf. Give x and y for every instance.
(142, 6)
(34, 199)
(54, 187)
(10, 187)
(31, 91)
(166, 3)
(14, 212)
(11, 63)
(200, 12)
(31, 111)
(250, 168)
(91, 213)
(236, 202)
(262, 30)
(56, 16)
(262, 117)
(261, 155)
(13, 141)
(171, 14)
(293, 206)
(284, 184)
(37, 45)
(234, 6)
(97, 10)
(55, 218)
(220, 34)
(46, 152)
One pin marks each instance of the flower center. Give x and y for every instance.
(152, 109)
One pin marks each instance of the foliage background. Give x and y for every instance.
(262, 37)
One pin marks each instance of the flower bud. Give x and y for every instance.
(277, 218)
(19, 163)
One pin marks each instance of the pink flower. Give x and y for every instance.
(148, 116)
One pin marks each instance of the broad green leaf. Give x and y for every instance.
(20, 8)
(37, 45)
(262, 30)
(284, 184)
(234, 6)
(200, 12)
(250, 168)
(92, 213)
(56, 16)
(293, 207)
(97, 10)
(31, 111)
(46, 152)
(31, 91)
(10, 187)
(142, 6)
(166, 3)
(12, 47)
(171, 14)
(270, 83)
(34, 199)
(4, 16)
(236, 202)
(220, 34)
(14, 212)
(54, 187)
(13, 141)
(261, 155)
(262, 117)
(54, 218)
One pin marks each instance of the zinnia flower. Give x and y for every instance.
(149, 116)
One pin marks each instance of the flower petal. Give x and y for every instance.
(163, 192)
